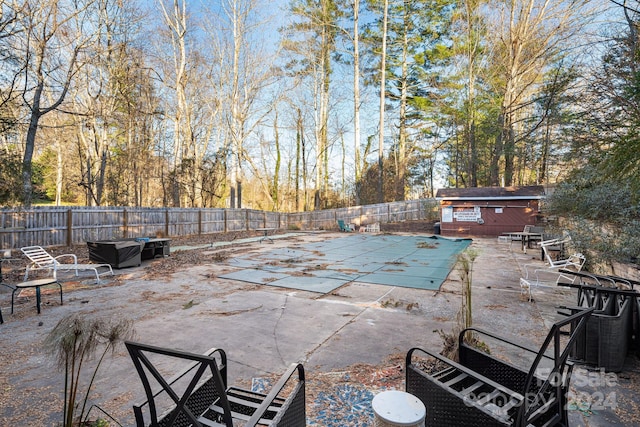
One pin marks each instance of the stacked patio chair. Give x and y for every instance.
(373, 228)
(611, 331)
(485, 390)
(574, 262)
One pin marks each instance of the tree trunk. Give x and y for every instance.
(383, 75)
(299, 145)
(304, 169)
(59, 175)
(276, 172)
(509, 152)
(356, 98)
(322, 155)
(471, 95)
(30, 142)
(494, 167)
(27, 165)
(402, 137)
(100, 178)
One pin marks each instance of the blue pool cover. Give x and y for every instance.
(422, 262)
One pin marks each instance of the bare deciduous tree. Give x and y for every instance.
(383, 75)
(530, 36)
(51, 44)
(244, 67)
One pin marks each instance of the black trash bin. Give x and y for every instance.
(436, 228)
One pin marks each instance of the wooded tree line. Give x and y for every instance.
(317, 104)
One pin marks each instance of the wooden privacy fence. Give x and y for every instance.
(60, 226)
(409, 210)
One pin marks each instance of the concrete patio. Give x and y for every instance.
(182, 302)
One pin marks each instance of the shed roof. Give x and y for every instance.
(492, 193)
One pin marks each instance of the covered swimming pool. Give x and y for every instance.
(421, 262)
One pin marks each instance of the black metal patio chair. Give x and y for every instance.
(485, 390)
(199, 395)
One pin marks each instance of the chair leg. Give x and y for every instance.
(525, 288)
(60, 286)
(13, 293)
(38, 299)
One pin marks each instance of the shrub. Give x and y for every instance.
(73, 341)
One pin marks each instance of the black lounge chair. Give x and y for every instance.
(199, 396)
(483, 390)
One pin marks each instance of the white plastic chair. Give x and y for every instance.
(373, 228)
(42, 260)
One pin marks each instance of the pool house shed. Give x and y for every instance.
(488, 211)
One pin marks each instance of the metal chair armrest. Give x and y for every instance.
(75, 258)
(471, 373)
(275, 391)
(496, 337)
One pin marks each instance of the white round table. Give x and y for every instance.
(396, 408)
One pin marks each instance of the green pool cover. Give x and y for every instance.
(422, 262)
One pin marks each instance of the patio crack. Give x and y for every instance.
(352, 320)
(275, 328)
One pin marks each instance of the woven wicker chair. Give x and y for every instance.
(607, 337)
(610, 331)
(482, 390)
(199, 396)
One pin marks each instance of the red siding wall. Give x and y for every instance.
(497, 217)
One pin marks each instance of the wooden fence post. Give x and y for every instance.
(246, 219)
(166, 223)
(125, 224)
(225, 226)
(199, 222)
(69, 227)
